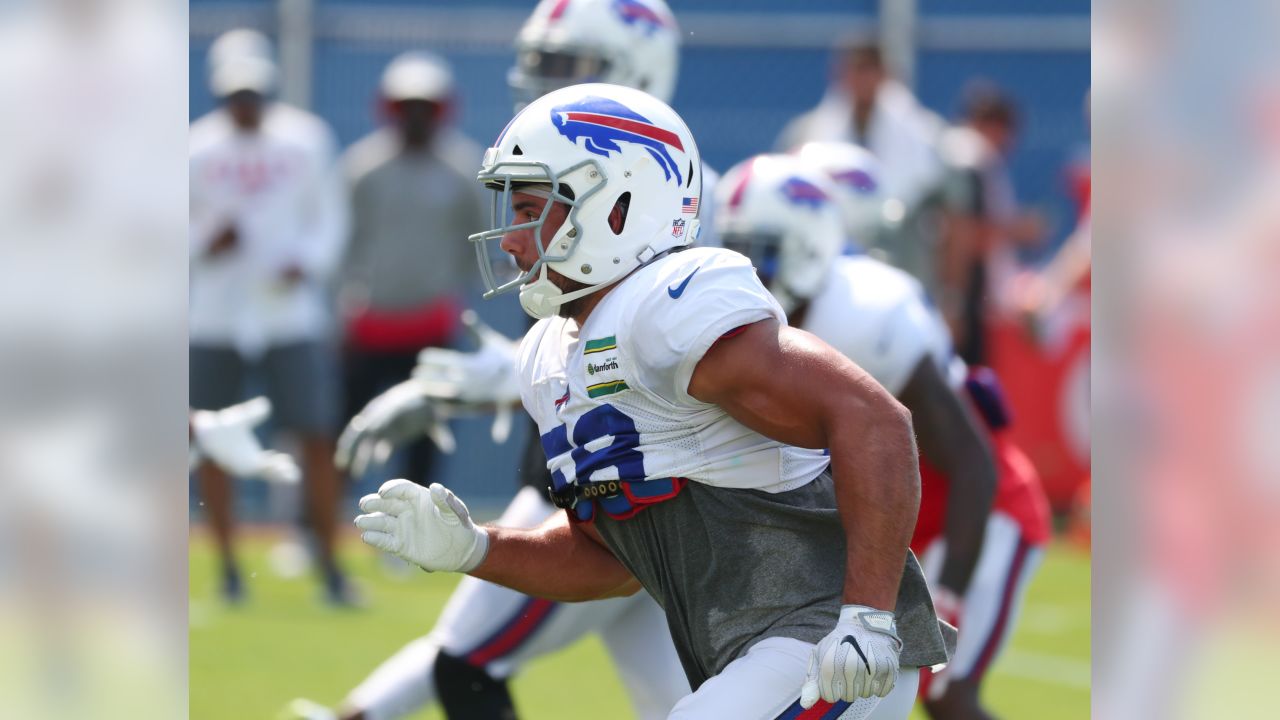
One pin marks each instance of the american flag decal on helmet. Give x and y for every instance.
(603, 123)
(689, 206)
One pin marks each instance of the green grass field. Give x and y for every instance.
(247, 662)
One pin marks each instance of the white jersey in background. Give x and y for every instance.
(878, 316)
(625, 375)
(281, 190)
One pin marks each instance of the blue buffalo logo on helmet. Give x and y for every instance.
(860, 180)
(802, 192)
(602, 124)
(634, 12)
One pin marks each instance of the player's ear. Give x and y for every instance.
(618, 215)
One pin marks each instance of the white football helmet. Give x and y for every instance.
(591, 147)
(621, 42)
(856, 177)
(781, 212)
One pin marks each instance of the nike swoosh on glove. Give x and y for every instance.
(858, 659)
(429, 527)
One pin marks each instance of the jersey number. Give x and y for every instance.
(588, 451)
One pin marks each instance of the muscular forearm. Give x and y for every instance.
(790, 386)
(966, 522)
(951, 440)
(556, 560)
(877, 481)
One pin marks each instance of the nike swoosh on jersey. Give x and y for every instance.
(677, 291)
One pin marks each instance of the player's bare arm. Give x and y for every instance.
(790, 386)
(432, 528)
(558, 560)
(950, 438)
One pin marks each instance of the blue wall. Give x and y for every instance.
(736, 100)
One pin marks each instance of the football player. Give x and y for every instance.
(755, 481)
(783, 213)
(487, 632)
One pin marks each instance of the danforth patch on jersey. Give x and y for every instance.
(602, 366)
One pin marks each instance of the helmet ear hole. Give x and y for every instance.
(516, 150)
(618, 216)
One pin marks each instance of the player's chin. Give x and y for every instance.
(566, 286)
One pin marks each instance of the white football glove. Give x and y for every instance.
(429, 527)
(475, 381)
(403, 413)
(856, 660)
(226, 437)
(445, 384)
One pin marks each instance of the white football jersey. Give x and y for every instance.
(611, 398)
(879, 317)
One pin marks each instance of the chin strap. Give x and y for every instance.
(541, 298)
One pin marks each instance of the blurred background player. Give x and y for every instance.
(413, 202)
(983, 226)
(267, 225)
(866, 106)
(487, 632)
(781, 212)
